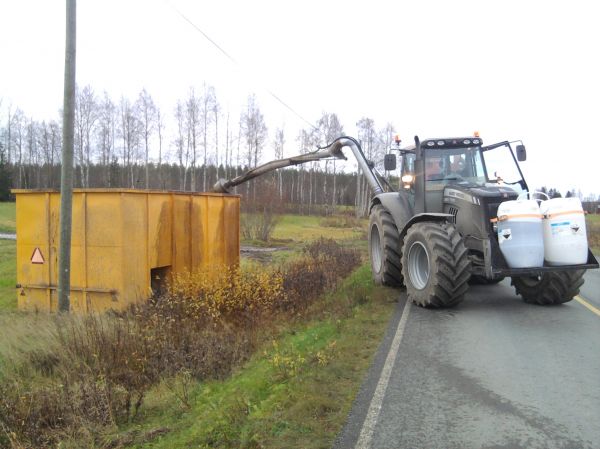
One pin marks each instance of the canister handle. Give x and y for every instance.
(530, 195)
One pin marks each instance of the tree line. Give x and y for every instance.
(133, 143)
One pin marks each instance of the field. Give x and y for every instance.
(8, 255)
(593, 230)
(7, 217)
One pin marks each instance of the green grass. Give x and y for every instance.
(295, 393)
(8, 274)
(8, 217)
(304, 228)
(593, 230)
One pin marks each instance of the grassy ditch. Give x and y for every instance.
(92, 381)
(295, 392)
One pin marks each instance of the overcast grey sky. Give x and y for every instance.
(510, 69)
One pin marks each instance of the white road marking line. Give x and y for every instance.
(366, 433)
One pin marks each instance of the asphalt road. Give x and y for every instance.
(493, 372)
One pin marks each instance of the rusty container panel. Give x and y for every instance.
(125, 243)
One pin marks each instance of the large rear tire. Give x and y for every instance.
(554, 287)
(435, 264)
(384, 248)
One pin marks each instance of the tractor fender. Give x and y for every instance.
(427, 216)
(401, 210)
(397, 204)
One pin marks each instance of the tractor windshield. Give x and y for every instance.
(454, 164)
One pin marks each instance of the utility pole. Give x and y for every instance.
(66, 173)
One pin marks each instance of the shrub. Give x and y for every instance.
(324, 262)
(259, 226)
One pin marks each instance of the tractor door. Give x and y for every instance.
(501, 166)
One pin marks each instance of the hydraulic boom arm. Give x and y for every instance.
(334, 149)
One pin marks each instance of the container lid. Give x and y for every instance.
(561, 205)
(519, 210)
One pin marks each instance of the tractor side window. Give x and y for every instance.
(408, 164)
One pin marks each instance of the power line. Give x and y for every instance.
(232, 60)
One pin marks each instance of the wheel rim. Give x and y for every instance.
(418, 265)
(376, 259)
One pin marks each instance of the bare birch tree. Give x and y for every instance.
(255, 133)
(192, 112)
(8, 135)
(129, 132)
(330, 128)
(31, 141)
(50, 144)
(181, 147)
(105, 134)
(206, 110)
(278, 145)
(160, 129)
(216, 110)
(18, 134)
(146, 111)
(86, 115)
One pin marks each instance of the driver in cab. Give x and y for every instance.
(433, 169)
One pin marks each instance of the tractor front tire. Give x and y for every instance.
(435, 265)
(384, 248)
(554, 287)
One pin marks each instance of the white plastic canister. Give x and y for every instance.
(565, 237)
(520, 233)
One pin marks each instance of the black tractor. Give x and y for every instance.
(437, 231)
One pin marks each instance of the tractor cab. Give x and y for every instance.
(435, 172)
(463, 163)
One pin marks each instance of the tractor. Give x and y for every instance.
(437, 232)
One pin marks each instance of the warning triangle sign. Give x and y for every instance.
(37, 256)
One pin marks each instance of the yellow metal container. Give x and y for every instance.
(125, 243)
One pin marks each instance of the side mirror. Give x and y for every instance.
(389, 162)
(521, 153)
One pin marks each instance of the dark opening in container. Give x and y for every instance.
(159, 278)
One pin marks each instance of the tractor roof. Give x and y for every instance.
(451, 142)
